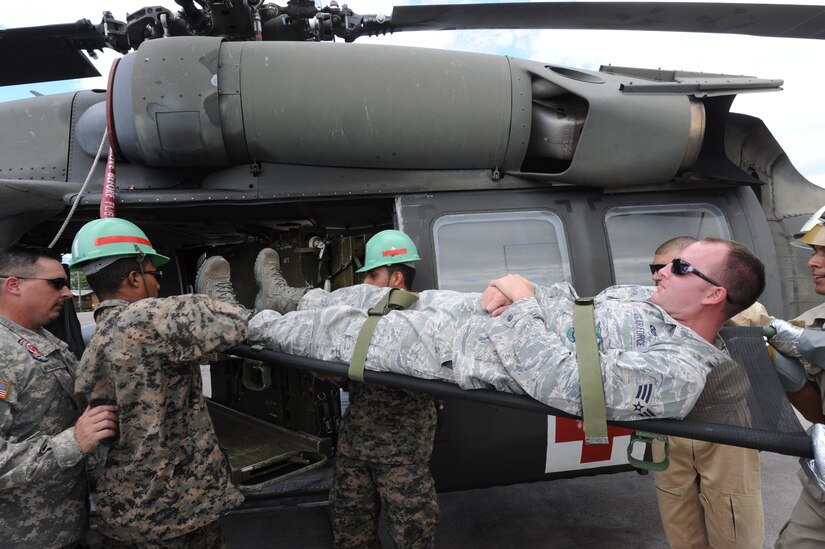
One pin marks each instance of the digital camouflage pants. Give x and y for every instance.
(207, 537)
(406, 493)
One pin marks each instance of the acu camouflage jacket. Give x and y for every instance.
(43, 497)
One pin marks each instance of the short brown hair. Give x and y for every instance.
(742, 274)
(675, 245)
(19, 259)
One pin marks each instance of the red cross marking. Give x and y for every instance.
(567, 430)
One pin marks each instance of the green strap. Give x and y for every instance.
(395, 299)
(590, 373)
(647, 439)
(256, 376)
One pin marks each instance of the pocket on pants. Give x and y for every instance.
(719, 516)
(670, 491)
(735, 518)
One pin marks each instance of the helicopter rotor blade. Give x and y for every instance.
(49, 52)
(771, 20)
(54, 52)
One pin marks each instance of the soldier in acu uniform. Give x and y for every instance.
(165, 482)
(44, 435)
(386, 438)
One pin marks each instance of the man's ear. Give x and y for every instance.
(397, 280)
(133, 280)
(717, 295)
(11, 285)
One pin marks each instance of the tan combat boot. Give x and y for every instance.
(273, 290)
(213, 280)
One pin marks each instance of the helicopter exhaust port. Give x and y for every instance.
(555, 130)
(585, 129)
(557, 126)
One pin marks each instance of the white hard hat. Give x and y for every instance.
(812, 232)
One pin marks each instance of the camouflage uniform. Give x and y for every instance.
(806, 527)
(165, 475)
(383, 459)
(652, 366)
(43, 497)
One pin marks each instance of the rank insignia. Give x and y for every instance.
(640, 403)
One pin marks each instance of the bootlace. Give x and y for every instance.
(224, 292)
(276, 277)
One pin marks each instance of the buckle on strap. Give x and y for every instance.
(395, 299)
(647, 439)
(590, 372)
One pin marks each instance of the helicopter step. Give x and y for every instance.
(260, 453)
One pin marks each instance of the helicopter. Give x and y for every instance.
(235, 125)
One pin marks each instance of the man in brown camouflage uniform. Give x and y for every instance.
(165, 482)
(43, 497)
(386, 438)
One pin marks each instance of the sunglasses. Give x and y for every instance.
(656, 267)
(157, 274)
(57, 283)
(681, 267)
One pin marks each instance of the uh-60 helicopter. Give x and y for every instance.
(233, 126)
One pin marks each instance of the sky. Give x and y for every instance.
(795, 116)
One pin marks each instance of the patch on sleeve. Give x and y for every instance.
(33, 351)
(640, 403)
(5, 388)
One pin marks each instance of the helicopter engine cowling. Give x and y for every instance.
(203, 102)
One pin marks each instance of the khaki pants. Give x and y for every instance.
(806, 527)
(710, 496)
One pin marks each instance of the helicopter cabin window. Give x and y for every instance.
(471, 249)
(634, 233)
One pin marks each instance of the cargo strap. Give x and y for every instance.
(395, 299)
(590, 373)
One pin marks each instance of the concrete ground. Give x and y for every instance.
(602, 512)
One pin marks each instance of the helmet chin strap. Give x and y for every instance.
(140, 258)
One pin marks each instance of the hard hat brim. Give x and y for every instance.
(814, 237)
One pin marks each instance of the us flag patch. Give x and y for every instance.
(5, 387)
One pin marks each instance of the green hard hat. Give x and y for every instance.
(101, 242)
(389, 247)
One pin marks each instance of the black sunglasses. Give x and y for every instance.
(157, 274)
(681, 267)
(656, 267)
(57, 283)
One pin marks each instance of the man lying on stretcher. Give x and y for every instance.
(656, 345)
